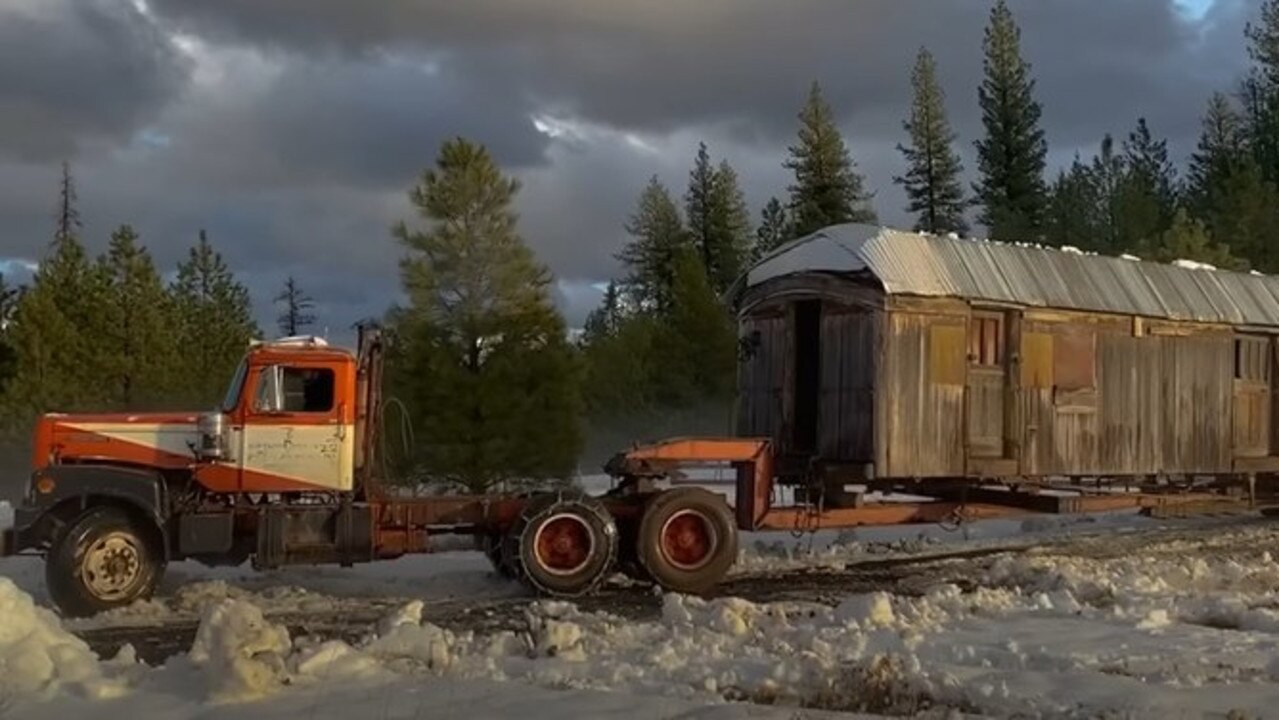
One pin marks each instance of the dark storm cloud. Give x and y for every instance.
(308, 120)
(662, 64)
(76, 72)
(382, 123)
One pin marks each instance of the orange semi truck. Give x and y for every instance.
(286, 471)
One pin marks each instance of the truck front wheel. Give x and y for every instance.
(100, 561)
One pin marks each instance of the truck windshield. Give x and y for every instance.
(233, 392)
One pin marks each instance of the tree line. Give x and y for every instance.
(109, 332)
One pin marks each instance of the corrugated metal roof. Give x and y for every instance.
(916, 264)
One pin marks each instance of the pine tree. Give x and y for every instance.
(732, 223)
(68, 221)
(1221, 153)
(1225, 187)
(658, 236)
(214, 322)
(699, 206)
(827, 190)
(55, 326)
(1011, 158)
(932, 182)
(1187, 239)
(1261, 90)
(1147, 196)
(605, 320)
(137, 339)
(9, 298)
(487, 367)
(296, 316)
(774, 229)
(1073, 208)
(1109, 173)
(718, 221)
(697, 341)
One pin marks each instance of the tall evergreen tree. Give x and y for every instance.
(658, 236)
(733, 228)
(1261, 89)
(296, 315)
(487, 364)
(1148, 195)
(699, 206)
(774, 229)
(1073, 209)
(1226, 189)
(697, 341)
(1012, 155)
(828, 189)
(58, 364)
(9, 298)
(718, 221)
(605, 320)
(214, 321)
(1187, 239)
(932, 182)
(1109, 173)
(68, 220)
(137, 336)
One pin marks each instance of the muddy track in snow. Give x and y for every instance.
(355, 618)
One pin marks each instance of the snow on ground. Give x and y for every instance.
(1178, 630)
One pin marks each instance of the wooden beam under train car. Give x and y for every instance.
(983, 504)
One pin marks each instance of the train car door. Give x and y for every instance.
(985, 392)
(1252, 396)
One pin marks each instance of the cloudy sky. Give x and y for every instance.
(291, 129)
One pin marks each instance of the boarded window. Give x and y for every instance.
(1075, 359)
(986, 340)
(1037, 360)
(946, 354)
(1252, 359)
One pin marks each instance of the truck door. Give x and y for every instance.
(296, 435)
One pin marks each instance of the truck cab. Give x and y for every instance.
(114, 493)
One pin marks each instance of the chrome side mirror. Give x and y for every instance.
(270, 395)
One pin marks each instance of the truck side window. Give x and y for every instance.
(306, 390)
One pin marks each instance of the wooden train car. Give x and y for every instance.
(873, 354)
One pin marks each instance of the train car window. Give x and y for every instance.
(986, 340)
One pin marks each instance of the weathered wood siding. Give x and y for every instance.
(905, 383)
(1114, 403)
(922, 387)
(850, 346)
(761, 374)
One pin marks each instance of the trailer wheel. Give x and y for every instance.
(687, 539)
(566, 544)
(102, 560)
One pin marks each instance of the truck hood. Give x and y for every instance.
(152, 439)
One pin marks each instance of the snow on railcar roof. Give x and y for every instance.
(909, 263)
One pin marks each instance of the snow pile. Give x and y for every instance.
(242, 655)
(1193, 264)
(39, 658)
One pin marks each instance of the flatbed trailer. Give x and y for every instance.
(287, 472)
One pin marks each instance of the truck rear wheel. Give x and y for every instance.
(687, 539)
(566, 545)
(102, 560)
